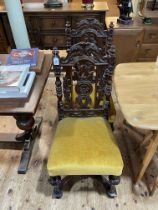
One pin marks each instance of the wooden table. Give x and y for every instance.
(46, 26)
(23, 111)
(136, 86)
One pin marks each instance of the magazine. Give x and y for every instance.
(23, 56)
(24, 90)
(12, 77)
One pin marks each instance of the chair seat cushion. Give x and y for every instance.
(84, 146)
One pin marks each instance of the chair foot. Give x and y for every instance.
(58, 186)
(111, 189)
(57, 193)
(114, 180)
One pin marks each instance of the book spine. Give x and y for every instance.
(10, 90)
(35, 58)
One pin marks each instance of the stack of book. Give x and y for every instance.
(16, 81)
(32, 56)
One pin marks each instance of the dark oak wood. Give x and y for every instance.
(7, 30)
(153, 4)
(90, 30)
(88, 68)
(135, 42)
(57, 184)
(23, 111)
(46, 27)
(4, 44)
(127, 39)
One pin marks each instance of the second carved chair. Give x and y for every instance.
(91, 30)
(84, 143)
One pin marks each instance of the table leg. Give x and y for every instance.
(148, 156)
(155, 185)
(30, 127)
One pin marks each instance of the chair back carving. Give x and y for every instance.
(90, 30)
(85, 89)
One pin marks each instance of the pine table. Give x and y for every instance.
(136, 87)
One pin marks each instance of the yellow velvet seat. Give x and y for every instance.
(84, 146)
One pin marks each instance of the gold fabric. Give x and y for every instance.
(84, 146)
(112, 113)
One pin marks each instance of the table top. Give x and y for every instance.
(74, 6)
(136, 86)
(29, 105)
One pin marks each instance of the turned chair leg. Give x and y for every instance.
(155, 185)
(56, 182)
(148, 156)
(111, 190)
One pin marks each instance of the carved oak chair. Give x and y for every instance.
(84, 143)
(91, 30)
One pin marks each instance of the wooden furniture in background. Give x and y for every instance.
(135, 42)
(4, 44)
(46, 27)
(148, 8)
(153, 4)
(148, 50)
(24, 110)
(136, 89)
